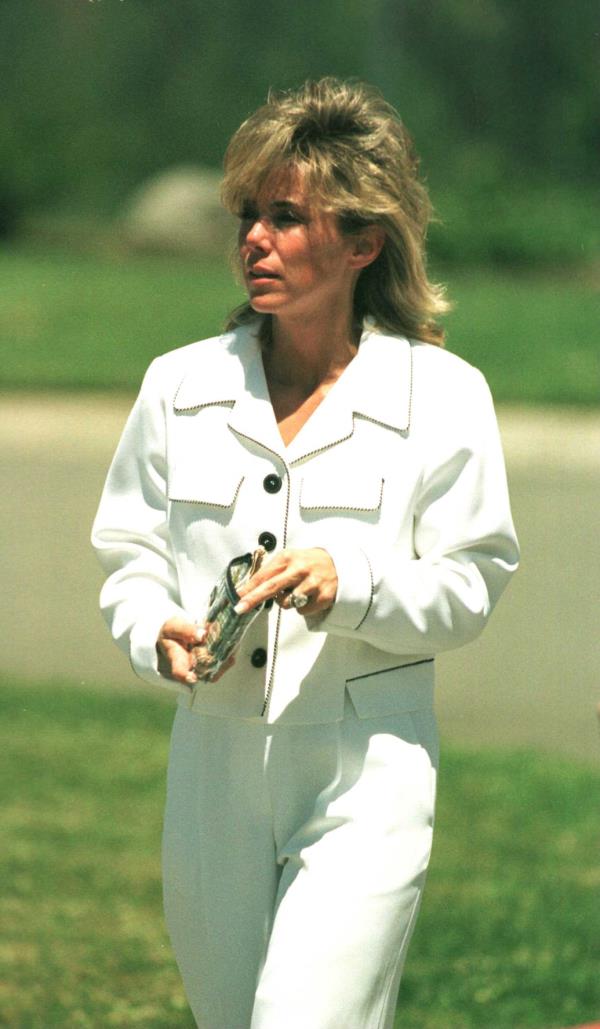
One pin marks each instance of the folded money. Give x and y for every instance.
(224, 628)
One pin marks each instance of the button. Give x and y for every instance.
(259, 657)
(267, 540)
(272, 483)
(268, 604)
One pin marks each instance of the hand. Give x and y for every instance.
(181, 654)
(309, 572)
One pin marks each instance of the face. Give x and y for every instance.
(294, 259)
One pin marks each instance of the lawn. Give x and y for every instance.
(507, 933)
(94, 322)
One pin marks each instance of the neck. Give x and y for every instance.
(311, 353)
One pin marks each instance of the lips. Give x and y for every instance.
(261, 273)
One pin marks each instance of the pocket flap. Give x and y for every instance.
(343, 491)
(213, 485)
(407, 687)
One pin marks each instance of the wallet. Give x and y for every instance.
(225, 629)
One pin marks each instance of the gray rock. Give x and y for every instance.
(178, 211)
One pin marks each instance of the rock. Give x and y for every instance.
(178, 211)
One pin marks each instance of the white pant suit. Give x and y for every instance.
(294, 861)
(301, 785)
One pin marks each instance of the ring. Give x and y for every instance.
(298, 600)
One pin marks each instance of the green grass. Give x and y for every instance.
(537, 340)
(508, 926)
(95, 322)
(84, 321)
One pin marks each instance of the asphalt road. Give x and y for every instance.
(533, 678)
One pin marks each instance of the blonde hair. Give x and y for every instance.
(357, 160)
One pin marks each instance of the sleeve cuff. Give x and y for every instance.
(354, 591)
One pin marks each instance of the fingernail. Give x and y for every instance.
(191, 679)
(200, 635)
(241, 608)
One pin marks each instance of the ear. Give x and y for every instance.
(367, 245)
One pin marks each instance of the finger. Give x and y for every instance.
(321, 597)
(207, 675)
(176, 662)
(276, 566)
(307, 599)
(178, 629)
(203, 661)
(282, 583)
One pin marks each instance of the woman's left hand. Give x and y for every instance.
(293, 574)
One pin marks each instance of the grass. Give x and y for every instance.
(94, 322)
(84, 321)
(506, 935)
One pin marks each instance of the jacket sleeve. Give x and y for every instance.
(465, 547)
(131, 539)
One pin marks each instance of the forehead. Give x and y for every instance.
(287, 183)
(290, 186)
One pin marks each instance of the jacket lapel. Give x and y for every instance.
(376, 385)
(383, 380)
(227, 371)
(252, 415)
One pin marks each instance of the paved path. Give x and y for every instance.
(532, 679)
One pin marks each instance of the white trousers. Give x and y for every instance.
(294, 860)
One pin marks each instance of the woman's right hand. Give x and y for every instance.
(179, 649)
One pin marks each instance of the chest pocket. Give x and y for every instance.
(209, 484)
(342, 492)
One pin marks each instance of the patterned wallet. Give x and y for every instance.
(224, 629)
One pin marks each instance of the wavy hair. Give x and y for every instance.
(357, 160)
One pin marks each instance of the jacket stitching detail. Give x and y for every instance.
(372, 596)
(342, 507)
(210, 503)
(321, 450)
(367, 418)
(269, 688)
(202, 403)
(264, 447)
(395, 668)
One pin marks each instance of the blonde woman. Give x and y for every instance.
(328, 426)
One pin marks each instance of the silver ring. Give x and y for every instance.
(298, 600)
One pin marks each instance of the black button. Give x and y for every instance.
(259, 657)
(268, 604)
(272, 483)
(267, 540)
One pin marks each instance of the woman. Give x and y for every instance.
(328, 426)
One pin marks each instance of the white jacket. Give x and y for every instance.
(398, 474)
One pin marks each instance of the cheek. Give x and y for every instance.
(242, 244)
(328, 269)
(240, 256)
(298, 263)
(329, 257)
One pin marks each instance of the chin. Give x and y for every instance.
(263, 305)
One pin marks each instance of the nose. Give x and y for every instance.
(255, 233)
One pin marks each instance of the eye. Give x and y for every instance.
(288, 216)
(248, 213)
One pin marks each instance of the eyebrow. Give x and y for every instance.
(276, 206)
(283, 204)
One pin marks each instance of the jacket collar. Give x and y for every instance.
(215, 372)
(228, 372)
(381, 379)
(376, 385)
